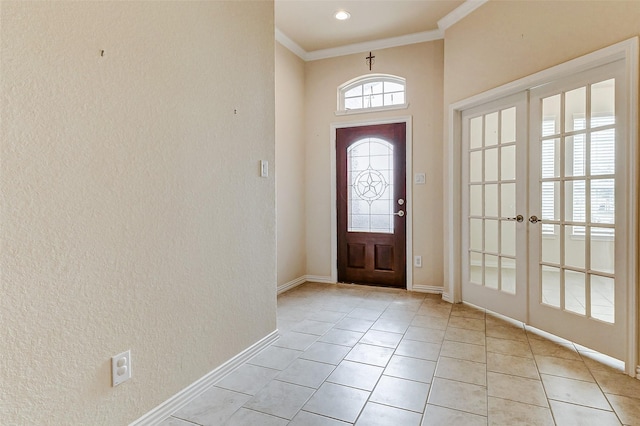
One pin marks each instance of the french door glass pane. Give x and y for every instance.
(475, 234)
(491, 129)
(550, 285)
(603, 152)
(491, 200)
(508, 125)
(508, 238)
(603, 250)
(574, 195)
(508, 163)
(550, 163)
(574, 247)
(475, 266)
(491, 164)
(475, 166)
(475, 133)
(491, 236)
(508, 199)
(550, 115)
(603, 98)
(550, 194)
(491, 271)
(574, 294)
(603, 201)
(575, 106)
(576, 152)
(475, 200)
(602, 298)
(508, 275)
(550, 247)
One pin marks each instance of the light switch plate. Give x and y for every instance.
(419, 179)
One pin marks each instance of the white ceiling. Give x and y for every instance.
(311, 26)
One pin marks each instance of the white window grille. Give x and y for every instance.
(601, 176)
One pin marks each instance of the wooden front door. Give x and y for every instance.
(371, 204)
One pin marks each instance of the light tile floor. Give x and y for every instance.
(366, 356)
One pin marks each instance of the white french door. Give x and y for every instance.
(544, 208)
(577, 190)
(494, 194)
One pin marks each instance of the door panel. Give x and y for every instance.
(494, 275)
(371, 190)
(577, 288)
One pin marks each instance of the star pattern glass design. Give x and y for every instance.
(370, 185)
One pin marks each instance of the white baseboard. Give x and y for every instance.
(198, 387)
(447, 297)
(319, 279)
(303, 279)
(421, 288)
(291, 284)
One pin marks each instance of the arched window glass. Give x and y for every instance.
(374, 91)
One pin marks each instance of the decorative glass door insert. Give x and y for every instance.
(371, 204)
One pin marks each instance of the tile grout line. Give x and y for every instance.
(535, 362)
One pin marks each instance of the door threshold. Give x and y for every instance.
(379, 286)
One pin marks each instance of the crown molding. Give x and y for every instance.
(290, 44)
(454, 16)
(375, 45)
(459, 13)
(356, 47)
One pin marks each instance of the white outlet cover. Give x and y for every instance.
(419, 179)
(120, 368)
(417, 261)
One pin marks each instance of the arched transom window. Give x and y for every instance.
(374, 91)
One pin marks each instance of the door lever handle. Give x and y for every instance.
(518, 218)
(534, 219)
(400, 213)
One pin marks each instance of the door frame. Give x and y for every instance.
(409, 204)
(626, 50)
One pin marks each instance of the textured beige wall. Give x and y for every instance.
(290, 158)
(133, 216)
(421, 64)
(504, 41)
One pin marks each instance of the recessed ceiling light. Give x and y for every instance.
(342, 15)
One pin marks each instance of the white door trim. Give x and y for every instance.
(626, 50)
(409, 195)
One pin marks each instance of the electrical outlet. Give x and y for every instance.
(121, 368)
(417, 261)
(419, 179)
